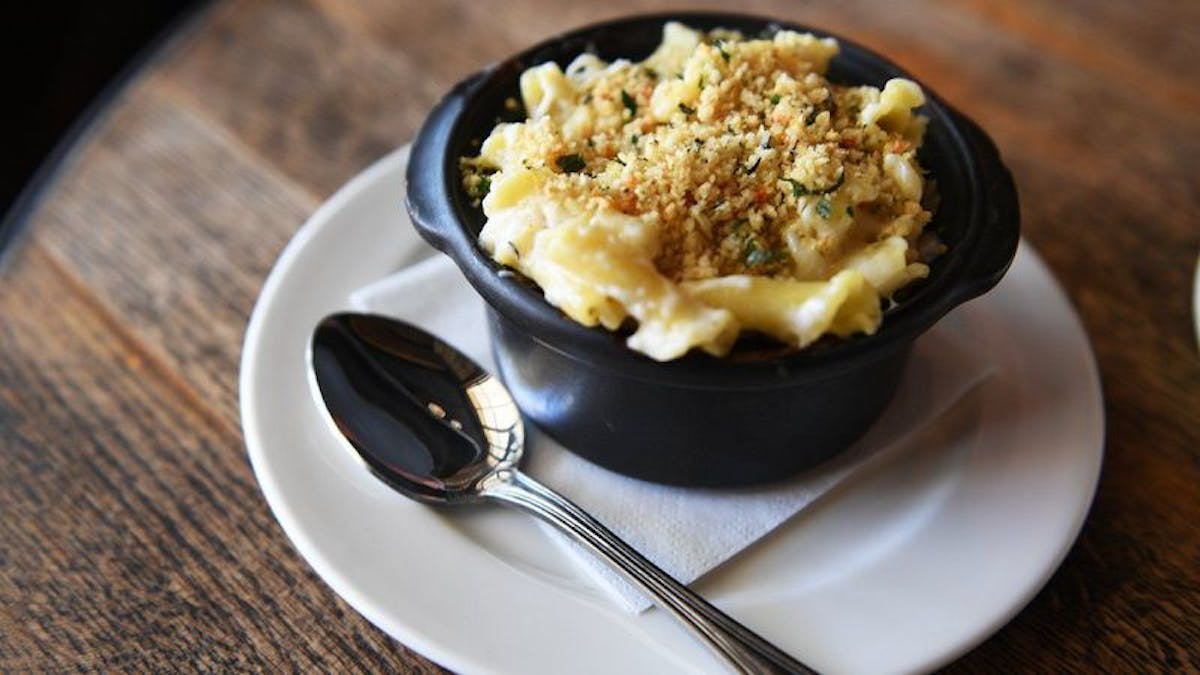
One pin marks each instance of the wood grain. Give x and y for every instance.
(133, 535)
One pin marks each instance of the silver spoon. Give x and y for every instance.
(438, 428)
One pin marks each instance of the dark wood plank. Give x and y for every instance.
(133, 536)
(174, 225)
(1158, 34)
(443, 40)
(278, 76)
(1120, 42)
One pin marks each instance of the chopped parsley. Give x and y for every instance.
(633, 139)
(720, 45)
(824, 208)
(775, 99)
(629, 102)
(483, 186)
(479, 189)
(572, 163)
(755, 256)
(798, 188)
(687, 110)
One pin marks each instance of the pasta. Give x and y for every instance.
(721, 185)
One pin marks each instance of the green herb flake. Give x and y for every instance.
(629, 102)
(756, 257)
(483, 186)
(721, 48)
(824, 208)
(798, 188)
(775, 99)
(687, 110)
(633, 139)
(570, 163)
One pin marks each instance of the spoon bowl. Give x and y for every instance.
(438, 428)
(423, 416)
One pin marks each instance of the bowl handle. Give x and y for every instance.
(995, 242)
(429, 201)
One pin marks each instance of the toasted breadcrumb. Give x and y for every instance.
(728, 175)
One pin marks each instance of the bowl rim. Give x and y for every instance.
(975, 265)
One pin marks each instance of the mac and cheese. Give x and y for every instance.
(721, 185)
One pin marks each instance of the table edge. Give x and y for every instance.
(52, 167)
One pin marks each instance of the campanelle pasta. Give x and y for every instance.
(721, 185)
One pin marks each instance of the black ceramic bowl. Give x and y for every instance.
(701, 420)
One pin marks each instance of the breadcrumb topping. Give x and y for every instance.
(745, 154)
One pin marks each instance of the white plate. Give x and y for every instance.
(903, 569)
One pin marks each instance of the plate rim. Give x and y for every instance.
(341, 583)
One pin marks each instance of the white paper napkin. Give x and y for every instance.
(685, 531)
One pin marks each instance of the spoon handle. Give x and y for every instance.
(738, 645)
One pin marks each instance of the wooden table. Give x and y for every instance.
(133, 534)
